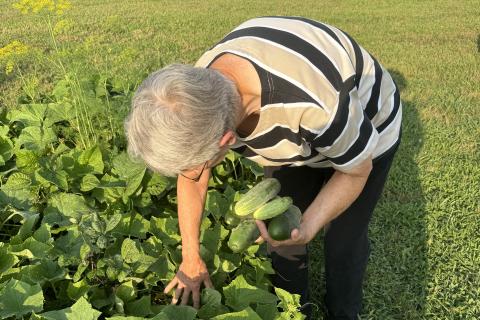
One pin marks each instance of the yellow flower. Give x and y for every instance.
(10, 53)
(36, 6)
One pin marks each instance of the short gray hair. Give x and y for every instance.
(178, 116)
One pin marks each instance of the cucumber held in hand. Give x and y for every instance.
(231, 219)
(273, 208)
(243, 236)
(280, 227)
(260, 194)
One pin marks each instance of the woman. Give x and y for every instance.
(304, 100)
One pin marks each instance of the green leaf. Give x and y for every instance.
(211, 304)
(17, 181)
(140, 307)
(46, 270)
(20, 199)
(92, 158)
(267, 311)
(254, 167)
(177, 313)
(81, 310)
(18, 298)
(67, 205)
(29, 115)
(59, 112)
(133, 225)
(129, 171)
(89, 182)
(76, 290)
(7, 260)
(288, 302)
(126, 291)
(27, 160)
(216, 203)
(246, 314)
(113, 222)
(26, 230)
(43, 234)
(36, 138)
(239, 294)
(165, 229)
(158, 184)
(6, 150)
(56, 177)
(125, 318)
(31, 248)
(131, 251)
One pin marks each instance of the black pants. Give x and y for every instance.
(346, 238)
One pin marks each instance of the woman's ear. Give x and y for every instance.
(228, 139)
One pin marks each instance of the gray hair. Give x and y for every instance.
(178, 116)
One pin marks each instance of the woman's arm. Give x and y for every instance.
(341, 190)
(192, 271)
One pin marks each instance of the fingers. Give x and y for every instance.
(196, 298)
(185, 296)
(263, 230)
(171, 285)
(207, 282)
(178, 293)
(259, 240)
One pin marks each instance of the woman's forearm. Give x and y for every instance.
(335, 197)
(191, 200)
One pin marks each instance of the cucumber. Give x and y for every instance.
(243, 235)
(280, 227)
(257, 196)
(231, 219)
(273, 208)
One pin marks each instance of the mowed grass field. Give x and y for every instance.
(425, 233)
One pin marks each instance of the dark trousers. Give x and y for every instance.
(346, 241)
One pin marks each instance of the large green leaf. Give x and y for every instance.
(177, 313)
(140, 307)
(29, 115)
(239, 294)
(6, 150)
(31, 248)
(7, 260)
(67, 205)
(246, 314)
(129, 171)
(36, 138)
(27, 160)
(166, 229)
(132, 225)
(81, 310)
(131, 251)
(56, 177)
(18, 298)
(92, 159)
(216, 203)
(46, 270)
(211, 304)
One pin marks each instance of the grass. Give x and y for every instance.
(425, 232)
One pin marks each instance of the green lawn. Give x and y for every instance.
(425, 261)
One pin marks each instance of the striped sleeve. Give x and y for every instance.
(349, 138)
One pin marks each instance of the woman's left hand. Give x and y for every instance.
(301, 235)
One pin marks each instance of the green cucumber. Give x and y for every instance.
(273, 208)
(257, 196)
(243, 235)
(280, 227)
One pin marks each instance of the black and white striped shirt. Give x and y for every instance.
(326, 102)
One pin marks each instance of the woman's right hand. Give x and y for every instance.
(191, 274)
